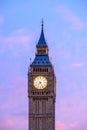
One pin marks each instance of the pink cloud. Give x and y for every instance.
(63, 126)
(60, 126)
(16, 93)
(77, 64)
(19, 91)
(68, 15)
(71, 113)
(20, 31)
(17, 42)
(6, 124)
(64, 54)
(13, 109)
(19, 36)
(14, 123)
(23, 40)
(74, 125)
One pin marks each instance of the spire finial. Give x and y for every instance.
(42, 41)
(42, 23)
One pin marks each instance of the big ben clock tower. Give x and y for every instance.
(41, 89)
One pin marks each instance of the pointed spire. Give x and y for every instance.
(42, 41)
(42, 23)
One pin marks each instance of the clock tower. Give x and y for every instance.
(41, 89)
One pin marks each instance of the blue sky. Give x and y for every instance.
(65, 28)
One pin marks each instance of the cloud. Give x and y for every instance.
(6, 124)
(69, 16)
(71, 113)
(15, 93)
(77, 64)
(16, 42)
(60, 126)
(13, 104)
(64, 126)
(73, 125)
(13, 124)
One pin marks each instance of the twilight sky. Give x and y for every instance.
(65, 28)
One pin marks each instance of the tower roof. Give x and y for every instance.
(41, 57)
(41, 61)
(42, 41)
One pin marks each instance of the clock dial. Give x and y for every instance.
(40, 82)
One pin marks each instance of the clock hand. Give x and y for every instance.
(40, 85)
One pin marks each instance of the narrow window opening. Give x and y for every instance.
(38, 69)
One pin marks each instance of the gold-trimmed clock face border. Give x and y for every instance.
(40, 82)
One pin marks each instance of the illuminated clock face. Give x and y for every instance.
(40, 82)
